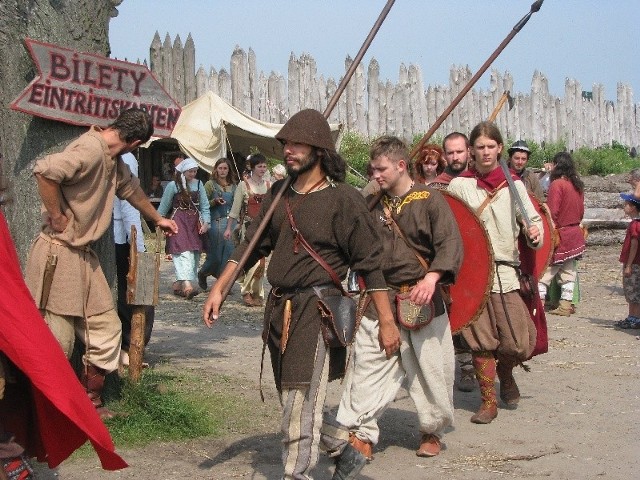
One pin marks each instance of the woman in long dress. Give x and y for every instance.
(246, 205)
(566, 204)
(220, 191)
(185, 201)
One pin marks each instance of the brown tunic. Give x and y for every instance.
(89, 177)
(532, 184)
(425, 219)
(336, 223)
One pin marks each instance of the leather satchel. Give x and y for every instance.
(339, 322)
(410, 315)
(528, 285)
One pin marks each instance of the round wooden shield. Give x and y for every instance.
(535, 262)
(471, 291)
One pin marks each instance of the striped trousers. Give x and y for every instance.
(304, 430)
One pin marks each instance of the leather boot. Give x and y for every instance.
(467, 382)
(348, 464)
(564, 309)
(363, 446)
(509, 392)
(93, 382)
(485, 365)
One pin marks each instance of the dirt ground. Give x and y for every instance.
(578, 417)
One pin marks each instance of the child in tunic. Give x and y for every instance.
(630, 259)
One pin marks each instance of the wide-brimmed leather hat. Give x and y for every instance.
(310, 127)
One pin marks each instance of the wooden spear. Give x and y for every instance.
(285, 184)
(514, 31)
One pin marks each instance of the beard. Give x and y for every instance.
(458, 167)
(303, 165)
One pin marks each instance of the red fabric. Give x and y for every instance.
(566, 205)
(489, 181)
(534, 303)
(633, 232)
(444, 178)
(48, 410)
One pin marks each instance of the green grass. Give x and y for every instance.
(156, 409)
(171, 406)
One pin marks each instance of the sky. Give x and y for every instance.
(591, 41)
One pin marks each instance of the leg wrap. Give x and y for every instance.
(485, 365)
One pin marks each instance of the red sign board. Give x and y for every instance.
(88, 89)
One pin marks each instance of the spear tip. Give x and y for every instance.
(536, 6)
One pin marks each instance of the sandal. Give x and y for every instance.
(249, 301)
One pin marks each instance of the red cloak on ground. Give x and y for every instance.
(47, 409)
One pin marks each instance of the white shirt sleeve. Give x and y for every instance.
(125, 215)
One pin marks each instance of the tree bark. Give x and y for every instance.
(81, 25)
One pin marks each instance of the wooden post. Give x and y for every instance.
(143, 279)
(202, 82)
(177, 57)
(167, 66)
(189, 70)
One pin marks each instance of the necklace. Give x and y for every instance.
(395, 201)
(315, 187)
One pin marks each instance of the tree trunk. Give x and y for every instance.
(81, 25)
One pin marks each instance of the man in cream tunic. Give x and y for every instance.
(504, 334)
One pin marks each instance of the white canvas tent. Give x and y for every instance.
(208, 127)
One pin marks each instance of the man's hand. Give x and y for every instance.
(389, 337)
(58, 223)
(211, 309)
(423, 291)
(168, 226)
(534, 234)
(227, 234)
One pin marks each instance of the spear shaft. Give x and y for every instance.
(514, 31)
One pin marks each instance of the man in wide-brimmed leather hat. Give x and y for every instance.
(333, 219)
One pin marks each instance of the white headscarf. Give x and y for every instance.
(183, 166)
(186, 164)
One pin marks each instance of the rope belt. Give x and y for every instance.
(53, 241)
